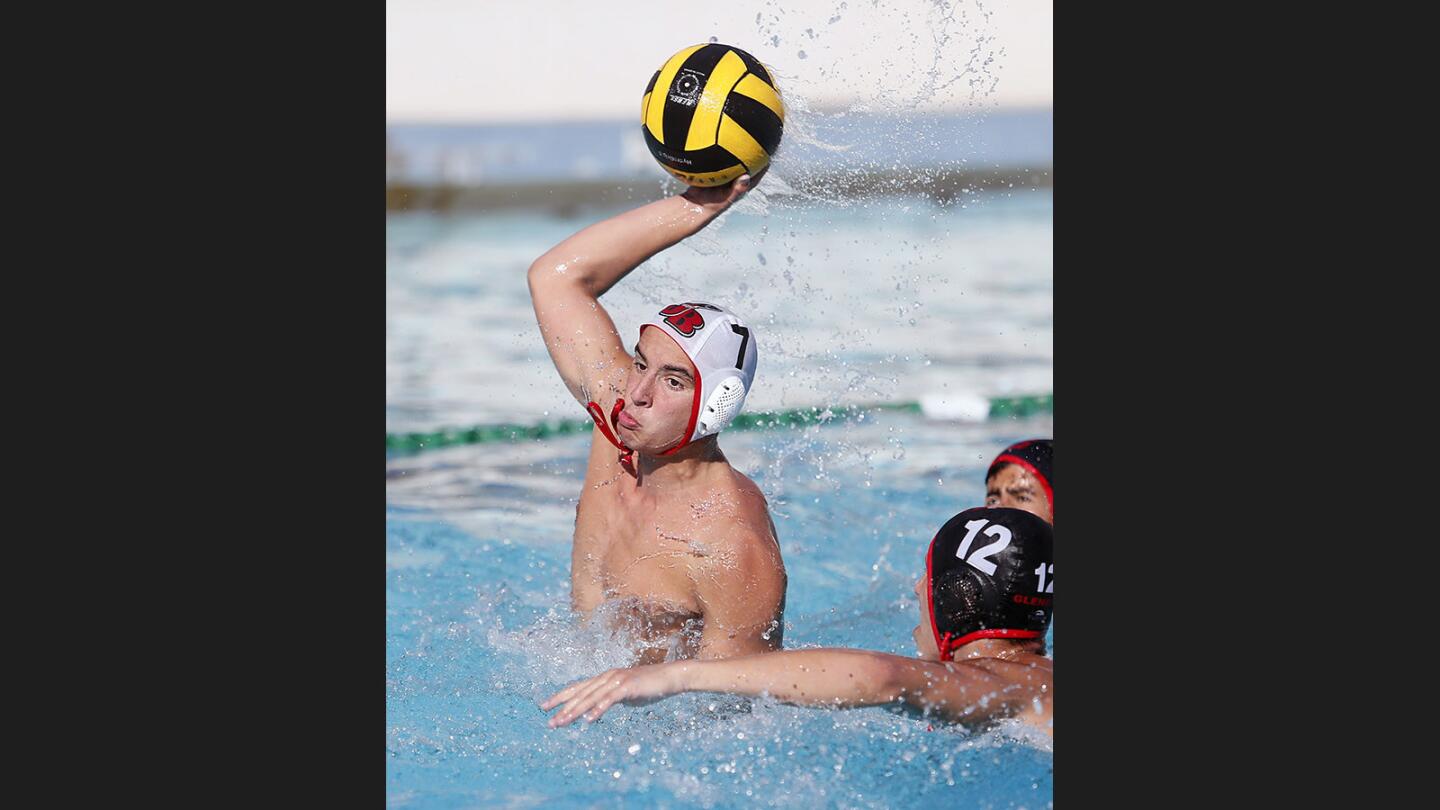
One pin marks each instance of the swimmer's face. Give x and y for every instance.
(659, 394)
(924, 639)
(1015, 487)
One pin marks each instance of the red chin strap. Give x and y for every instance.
(627, 456)
(677, 447)
(949, 645)
(946, 647)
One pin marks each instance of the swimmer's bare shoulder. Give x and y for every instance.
(753, 536)
(753, 507)
(740, 583)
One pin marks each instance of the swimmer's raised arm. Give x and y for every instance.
(567, 280)
(830, 678)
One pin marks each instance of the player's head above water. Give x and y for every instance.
(1023, 477)
(989, 573)
(694, 365)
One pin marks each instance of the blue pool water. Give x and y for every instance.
(477, 538)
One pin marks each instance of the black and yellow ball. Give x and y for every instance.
(712, 113)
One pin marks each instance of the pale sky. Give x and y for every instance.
(519, 60)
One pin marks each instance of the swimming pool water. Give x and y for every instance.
(478, 633)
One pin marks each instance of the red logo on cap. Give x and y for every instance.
(683, 318)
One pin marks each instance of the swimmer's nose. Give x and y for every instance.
(640, 391)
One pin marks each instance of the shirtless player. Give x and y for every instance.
(677, 542)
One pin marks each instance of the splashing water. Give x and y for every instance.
(479, 633)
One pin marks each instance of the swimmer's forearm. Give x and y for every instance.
(832, 678)
(596, 258)
(825, 677)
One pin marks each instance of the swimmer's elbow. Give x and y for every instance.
(883, 679)
(551, 273)
(900, 681)
(537, 277)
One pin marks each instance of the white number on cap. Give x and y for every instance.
(1041, 571)
(981, 558)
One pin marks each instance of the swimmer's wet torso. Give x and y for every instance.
(671, 543)
(666, 554)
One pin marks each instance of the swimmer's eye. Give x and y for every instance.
(674, 383)
(639, 366)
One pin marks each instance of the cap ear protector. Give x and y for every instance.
(722, 408)
(990, 574)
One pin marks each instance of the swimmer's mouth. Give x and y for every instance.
(627, 421)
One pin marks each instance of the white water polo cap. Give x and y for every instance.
(722, 349)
